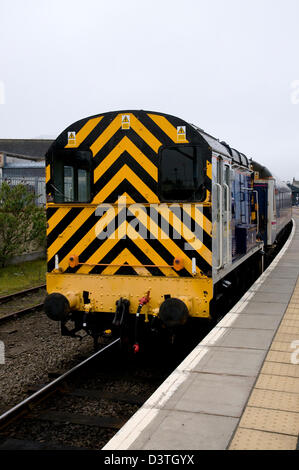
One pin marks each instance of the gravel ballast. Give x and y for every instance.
(33, 346)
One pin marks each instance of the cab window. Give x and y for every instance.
(182, 174)
(72, 176)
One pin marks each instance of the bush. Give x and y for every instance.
(21, 221)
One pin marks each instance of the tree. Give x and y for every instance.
(21, 221)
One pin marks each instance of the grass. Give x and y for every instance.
(22, 276)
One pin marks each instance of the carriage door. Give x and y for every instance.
(226, 214)
(222, 201)
(218, 214)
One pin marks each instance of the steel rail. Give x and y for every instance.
(7, 298)
(20, 313)
(25, 406)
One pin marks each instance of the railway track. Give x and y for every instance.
(8, 302)
(81, 408)
(22, 293)
(20, 313)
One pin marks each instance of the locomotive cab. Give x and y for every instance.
(129, 218)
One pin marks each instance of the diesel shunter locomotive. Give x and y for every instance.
(150, 221)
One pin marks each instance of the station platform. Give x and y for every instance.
(239, 388)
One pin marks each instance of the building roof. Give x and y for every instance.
(28, 149)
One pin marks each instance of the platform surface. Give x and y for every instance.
(239, 388)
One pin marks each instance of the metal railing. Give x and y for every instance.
(35, 184)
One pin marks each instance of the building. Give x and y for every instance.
(23, 161)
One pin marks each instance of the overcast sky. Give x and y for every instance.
(228, 66)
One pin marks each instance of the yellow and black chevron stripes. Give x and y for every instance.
(126, 257)
(159, 234)
(84, 132)
(109, 244)
(167, 127)
(126, 162)
(137, 148)
(57, 217)
(69, 231)
(88, 236)
(157, 249)
(125, 173)
(126, 145)
(115, 125)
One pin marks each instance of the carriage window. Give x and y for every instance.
(72, 176)
(182, 174)
(226, 181)
(83, 185)
(68, 182)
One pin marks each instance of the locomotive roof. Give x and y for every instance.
(264, 173)
(223, 148)
(215, 144)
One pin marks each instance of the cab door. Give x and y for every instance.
(226, 184)
(221, 213)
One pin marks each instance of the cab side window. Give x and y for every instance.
(182, 174)
(72, 176)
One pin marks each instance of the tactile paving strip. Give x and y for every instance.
(290, 330)
(275, 382)
(285, 337)
(274, 400)
(279, 354)
(283, 422)
(281, 346)
(276, 368)
(290, 322)
(250, 439)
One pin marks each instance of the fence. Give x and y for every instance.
(36, 184)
